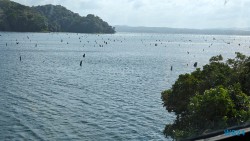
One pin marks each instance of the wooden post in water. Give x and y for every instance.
(81, 63)
(195, 64)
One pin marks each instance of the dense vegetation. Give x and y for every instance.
(61, 19)
(16, 17)
(216, 97)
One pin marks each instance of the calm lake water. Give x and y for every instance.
(115, 95)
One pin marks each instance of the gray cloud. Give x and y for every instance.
(161, 13)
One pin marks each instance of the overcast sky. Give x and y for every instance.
(161, 13)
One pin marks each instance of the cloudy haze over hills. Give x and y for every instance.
(161, 13)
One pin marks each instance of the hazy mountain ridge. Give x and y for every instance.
(142, 29)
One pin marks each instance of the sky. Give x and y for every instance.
(198, 14)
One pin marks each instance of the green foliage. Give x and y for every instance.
(16, 17)
(213, 107)
(182, 90)
(213, 98)
(61, 19)
(216, 58)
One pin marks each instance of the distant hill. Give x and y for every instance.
(48, 18)
(61, 19)
(181, 30)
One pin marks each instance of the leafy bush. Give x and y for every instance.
(213, 98)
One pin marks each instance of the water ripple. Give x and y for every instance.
(115, 95)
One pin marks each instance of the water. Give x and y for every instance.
(115, 95)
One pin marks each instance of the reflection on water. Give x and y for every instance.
(115, 95)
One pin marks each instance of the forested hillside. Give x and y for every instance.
(16, 17)
(48, 18)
